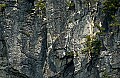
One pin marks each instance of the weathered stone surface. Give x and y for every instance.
(50, 45)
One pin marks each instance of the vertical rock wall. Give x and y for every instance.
(51, 45)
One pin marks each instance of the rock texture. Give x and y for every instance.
(49, 42)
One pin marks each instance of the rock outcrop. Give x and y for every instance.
(59, 39)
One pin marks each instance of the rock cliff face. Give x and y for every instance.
(59, 39)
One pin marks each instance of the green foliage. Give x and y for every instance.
(96, 0)
(70, 4)
(100, 33)
(85, 50)
(70, 54)
(115, 21)
(41, 8)
(115, 24)
(2, 5)
(110, 7)
(88, 44)
(106, 75)
(96, 46)
(25, 33)
(86, 3)
(41, 4)
(2, 8)
(88, 38)
(93, 45)
(100, 28)
(70, 21)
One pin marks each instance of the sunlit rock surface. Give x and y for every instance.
(35, 46)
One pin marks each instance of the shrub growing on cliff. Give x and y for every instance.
(71, 5)
(93, 46)
(41, 7)
(2, 7)
(110, 7)
(105, 74)
(41, 4)
(110, 10)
